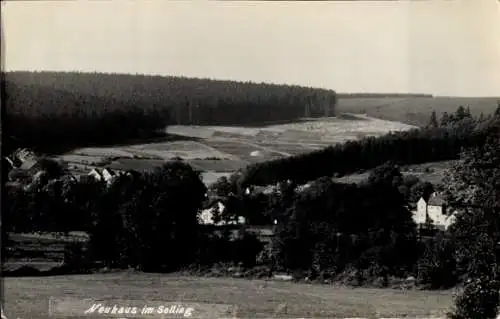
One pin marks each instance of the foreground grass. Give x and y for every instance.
(28, 297)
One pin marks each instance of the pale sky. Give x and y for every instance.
(436, 47)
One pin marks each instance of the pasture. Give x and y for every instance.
(415, 110)
(220, 166)
(39, 251)
(431, 172)
(29, 297)
(248, 152)
(227, 148)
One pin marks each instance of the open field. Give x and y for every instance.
(430, 172)
(331, 129)
(293, 148)
(39, 251)
(248, 152)
(28, 297)
(226, 149)
(217, 165)
(415, 110)
(210, 177)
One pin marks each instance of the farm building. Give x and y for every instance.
(433, 212)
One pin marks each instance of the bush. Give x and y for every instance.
(479, 300)
(437, 266)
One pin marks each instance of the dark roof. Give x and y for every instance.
(28, 164)
(111, 171)
(436, 200)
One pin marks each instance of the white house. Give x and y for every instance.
(105, 174)
(433, 211)
(207, 215)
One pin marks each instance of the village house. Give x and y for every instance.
(432, 211)
(207, 215)
(106, 174)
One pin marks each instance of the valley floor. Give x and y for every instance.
(29, 297)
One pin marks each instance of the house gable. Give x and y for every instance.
(96, 174)
(432, 211)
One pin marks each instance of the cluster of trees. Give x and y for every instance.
(97, 107)
(143, 220)
(434, 143)
(329, 229)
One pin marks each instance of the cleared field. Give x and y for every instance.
(184, 150)
(241, 150)
(39, 251)
(345, 126)
(190, 131)
(211, 177)
(217, 165)
(28, 297)
(415, 110)
(136, 164)
(293, 149)
(245, 131)
(431, 172)
(237, 146)
(335, 128)
(80, 159)
(169, 146)
(103, 152)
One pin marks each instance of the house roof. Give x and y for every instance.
(110, 171)
(96, 171)
(436, 200)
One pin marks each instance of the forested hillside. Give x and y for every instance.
(94, 107)
(190, 100)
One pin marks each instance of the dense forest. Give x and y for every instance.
(440, 140)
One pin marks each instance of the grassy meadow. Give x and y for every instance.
(28, 297)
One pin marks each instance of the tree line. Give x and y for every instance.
(436, 142)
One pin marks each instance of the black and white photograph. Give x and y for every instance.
(250, 159)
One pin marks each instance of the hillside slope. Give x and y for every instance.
(414, 110)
